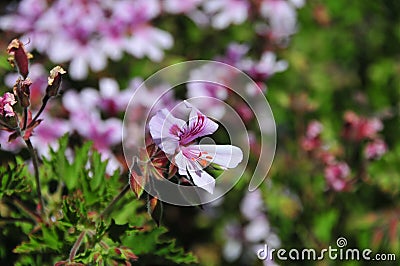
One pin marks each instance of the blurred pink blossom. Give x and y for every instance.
(281, 16)
(235, 53)
(47, 135)
(375, 149)
(245, 239)
(179, 6)
(252, 205)
(226, 12)
(11, 146)
(263, 69)
(336, 175)
(109, 98)
(358, 128)
(87, 33)
(312, 139)
(82, 107)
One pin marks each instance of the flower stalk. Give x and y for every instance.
(76, 246)
(35, 161)
(114, 201)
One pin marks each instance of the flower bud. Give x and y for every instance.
(23, 92)
(54, 81)
(19, 57)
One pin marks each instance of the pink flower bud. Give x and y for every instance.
(22, 91)
(19, 57)
(54, 81)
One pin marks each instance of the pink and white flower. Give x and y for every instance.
(176, 137)
(6, 103)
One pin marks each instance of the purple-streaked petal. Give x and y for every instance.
(192, 168)
(199, 126)
(165, 130)
(227, 156)
(203, 180)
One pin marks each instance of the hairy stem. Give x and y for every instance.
(35, 161)
(76, 246)
(20, 205)
(115, 200)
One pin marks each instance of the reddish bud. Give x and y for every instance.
(137, 183)
(19, 57)
(22, 91)
(54, 81)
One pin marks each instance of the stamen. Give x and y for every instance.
(202, 162)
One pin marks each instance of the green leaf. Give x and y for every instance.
(50, 237)
(13, 180)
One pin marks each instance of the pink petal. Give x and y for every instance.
(199, 126)
(164, 129)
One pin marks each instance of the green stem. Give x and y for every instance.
(35, 161)
(44, 103)
(25, 118)
(15, 220)
(25, 209)
(115, 200)
(5, 125)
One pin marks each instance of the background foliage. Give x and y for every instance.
(344, 57)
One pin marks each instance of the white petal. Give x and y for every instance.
(224, 155)
(200, 178)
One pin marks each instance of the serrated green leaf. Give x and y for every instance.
(50, 237)
(98, 170)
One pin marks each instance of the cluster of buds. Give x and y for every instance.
(312, 140)
(152, 163)
(336, 172)
(10, 120)
(358, 129)
(355, 129)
